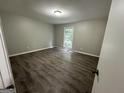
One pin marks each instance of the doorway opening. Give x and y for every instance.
(68, 37)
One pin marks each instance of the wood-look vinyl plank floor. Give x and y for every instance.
(53, 71)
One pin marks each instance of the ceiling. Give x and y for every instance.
(72, 10)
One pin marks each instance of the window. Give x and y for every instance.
(68, 37)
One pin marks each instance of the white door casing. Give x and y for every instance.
(6, 78)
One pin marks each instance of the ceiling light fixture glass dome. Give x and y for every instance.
(57, 12)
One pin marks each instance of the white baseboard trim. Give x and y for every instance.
(82, 52)
(17, 54)
(86, 53)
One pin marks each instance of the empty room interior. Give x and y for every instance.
(54, 46)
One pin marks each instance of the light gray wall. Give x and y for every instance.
(88, 35)
(25, 34)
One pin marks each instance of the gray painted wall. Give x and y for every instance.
(88, 35)
(24, 34)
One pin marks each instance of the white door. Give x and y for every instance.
(111, 63)
(5, 70)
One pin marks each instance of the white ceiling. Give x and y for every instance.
(73, 10)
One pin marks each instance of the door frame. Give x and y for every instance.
(2, 38)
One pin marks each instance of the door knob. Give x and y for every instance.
(96, 72)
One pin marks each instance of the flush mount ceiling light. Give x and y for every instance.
(57, 12)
